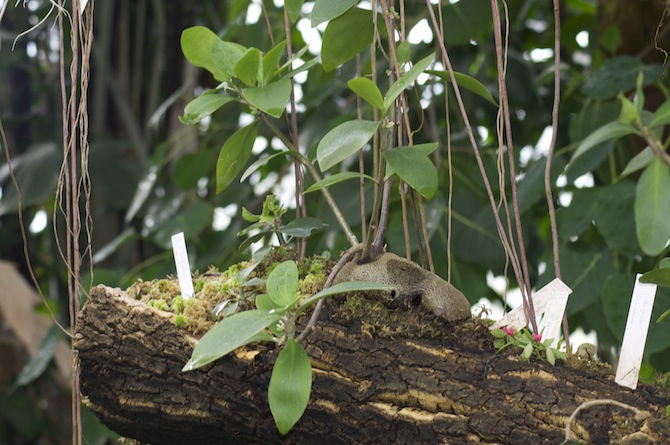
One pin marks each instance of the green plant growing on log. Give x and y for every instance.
(531, 344)
(274, 320)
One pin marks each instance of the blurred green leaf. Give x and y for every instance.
(467, 82)
(303, 227)
(343, 141)
(414, 168)
(640, 161)
(271, 61)
(340, 44)
(229, 334)
(661, 116)
(264, 160)
(325, 10)
(652, 208)
(335, 179)
(619, 74)
(613, 130)
(293, 8)
(466, 21)
(201, 107)
(247, 68)
(271, 98)
(660, 277)
(40, 360)
(290, 386)
(403, 52)
(234, 155)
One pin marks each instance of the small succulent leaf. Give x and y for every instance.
(271, 98)
(368, 91)
(203, 106)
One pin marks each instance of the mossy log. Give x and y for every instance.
(373, 384)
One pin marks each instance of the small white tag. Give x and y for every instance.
(635, 335)
(550, 301)
(82, 6)
(183, 266)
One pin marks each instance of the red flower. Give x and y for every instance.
(509, 331)
(537, 337)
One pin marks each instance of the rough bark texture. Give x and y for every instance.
(369, 387)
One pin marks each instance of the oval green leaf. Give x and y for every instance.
(368, 91)
(271, 98)
(652, 208)
(343, 141)
(340, 44)
(231, 333)
(271, 61)
(335, 179)
(282, 283)
(290, 386)
(196, 43)
(425, 148)
(640, 161)
(414, 168)
(467, 82)
(201, 107)
(234, 155)
(662, 115)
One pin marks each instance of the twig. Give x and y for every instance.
(344, 259)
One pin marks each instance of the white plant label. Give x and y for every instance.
(550, 301)
(82, 6)
(635, 335)
(183, 266)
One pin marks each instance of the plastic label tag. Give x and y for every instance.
(183, 266)
(635, 335)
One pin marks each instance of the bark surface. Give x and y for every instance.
(370, 386)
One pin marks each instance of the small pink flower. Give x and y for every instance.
(537, 337)
(509, 331)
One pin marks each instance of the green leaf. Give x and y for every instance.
(39, 362)
(343, 141)
(619, 74)
(282, 283)
(271, 61)
(234, 155)
(231, 333)
(334, 179)
(467, 82)
(340, 44)
(663, 316)
(426, 148)
(660, 277)
(406, 80)
(414, 168)
(662, 115)
(629, 112)
(271, 98)
(262, 161)
(665, 263)
(499, 333)
(550, 357)
(640, 161)
(196, 43)
(201, 107)
(325, 10)
(293, 8)
(613, 130)
(341, 288)
(225, 56)
(248, 216)
(403, 52)
(247, 68)
(527, 351)
(290, 386)
(368, 91)
(652, 208)
(303, 227)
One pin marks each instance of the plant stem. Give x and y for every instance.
(315, 174)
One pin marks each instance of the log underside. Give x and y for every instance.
(368, 387)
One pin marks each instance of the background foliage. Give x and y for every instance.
(153, 176)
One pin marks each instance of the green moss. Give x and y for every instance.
(180, 320)
(178, 304)
(159, 304)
